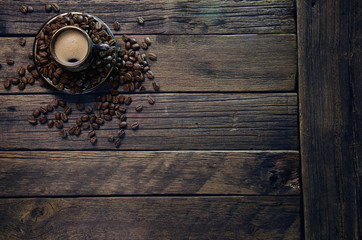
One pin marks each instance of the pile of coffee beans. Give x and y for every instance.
(81, 81)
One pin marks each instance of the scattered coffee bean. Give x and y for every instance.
(122, 124)
(155, 86)
(95, 126)
(58, 124)
(128, 100)
(79, 106)
(117, 142)
(31, 80)
(64, 117)
(93, 140)
(30, 55)
(30, 67)
(99, 121)
(55, 102)
(15, 81)
(144, 45)
(9, 61)
(22, 41)
(67, 109)
(32, 120)
(35, 74)
(57, 115)
(91, 133)
(88, 109)
(23, 9)
(21, 71)
(30, 9)
(147, 40)
(48, 7)
(86, 126)
(135, 126)
(55, 7)
(139, 107)
(21, 86)
(107, 117)
(63, 133)
(110, 138)
(71, 130)
(77, 131)
(149, 74)
(7, 83)
(150, 100)
(152, 56)
(123, 117)
(62, 103)
(79, 122)
(43, 110)
(36, 112)
(50, 107)
(43, 119)
(116, 26)
(121, 133)
(50, 123)
(140, 20)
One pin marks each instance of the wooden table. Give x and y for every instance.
(218, 155)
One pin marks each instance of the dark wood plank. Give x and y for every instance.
(199, 63)
(174, 122)
(145, 172)
(330, 116)
(163, 17)
(151, 218)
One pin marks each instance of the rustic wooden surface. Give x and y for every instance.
(330, 88)
(216, 157)
(185, 63)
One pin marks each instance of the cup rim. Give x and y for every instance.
(52, 47)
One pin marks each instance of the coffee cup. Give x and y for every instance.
(72, 48)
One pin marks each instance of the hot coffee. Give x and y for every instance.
(71, 47)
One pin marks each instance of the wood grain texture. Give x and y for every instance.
(127, 172)
(330, 117)
(151, 218)
(174, 122)
(197, 62)
(163, 17)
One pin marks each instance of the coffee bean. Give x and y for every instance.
(64, 117)
(50, 123)
(88, 109)
(116, 26)
(15, 81)
(30, 55)
(35, 74)
(71, 130)
(113, 92)
(21, 86)
(123, 117)
(155, 86)
(21, 71)
(135, 126)
(140, 20)
(122, 124)
(147, 40)
(43, 119)
(86, 126)
(107, 117)
(128, 100)
(135, 46)
(30, 9)
(48, 7)
(152, 56)
(32, 120)
(63, 133)
(22, 41)
(149, 74)
(93, 140)
(79, 106)
(150, 100)
(7, 83)
(110, 138)
(92, 119)
(9, 61)
(57, 115)
(95, 126)
(91, 133)
(144, 45)
(58, 124)
(77, 131)
(55, 102)
(121, 133)
(55, 7)
(62, 103)
(31, 80)
(85, 118)
(23, 9)
(50, 108)
(67, 110)
(139, 107)
(117, 142)
(30, 67)
(99, 121)
(43, 110)
(79, 122)
(24, 80)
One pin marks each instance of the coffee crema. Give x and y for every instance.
(71, 47)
